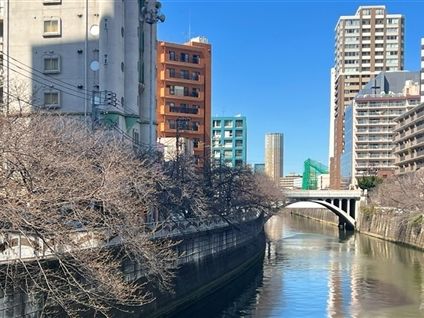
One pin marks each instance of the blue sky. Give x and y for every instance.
(271, 62)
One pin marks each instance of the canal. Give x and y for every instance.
(310, 269)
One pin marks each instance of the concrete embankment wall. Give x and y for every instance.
(210, 260)
(399, 228)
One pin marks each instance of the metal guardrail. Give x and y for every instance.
(16, 245)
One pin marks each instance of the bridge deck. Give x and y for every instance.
(324, 194)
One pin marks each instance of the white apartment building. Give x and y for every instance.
(91, 58)
(370, 125)
(366, 43)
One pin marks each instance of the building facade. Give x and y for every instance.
(229, 140)
(409, 140)
(184, 93)
(86, 58)
(367, 43)
(274, 156)
(422, 71)
(291, 181)
(370, 123)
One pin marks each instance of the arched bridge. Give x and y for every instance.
(343, 203)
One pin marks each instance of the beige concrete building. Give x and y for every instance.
(409, 140)
(87, 58)
(274, 154)
(366, 43)
(409, 132)
(291, 181)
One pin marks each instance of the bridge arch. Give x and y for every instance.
(344, 218)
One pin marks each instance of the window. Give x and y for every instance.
(239, 133)
(184, 57)
(51, 64)
(239, 143)
(228, 133)
(196, 59)
(52, 99)
(52, 27)
(216, 124)
(172, 56)
(195, 92)
(196, 142)
(228, 154)
(195, 76)
(171, 72)
(136, 137)
(239, 123)
(185, 74)
(171, 90)
(216, 134)
(228, 123)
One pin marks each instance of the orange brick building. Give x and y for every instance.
(184, 93)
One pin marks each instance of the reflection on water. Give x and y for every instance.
(312, 270)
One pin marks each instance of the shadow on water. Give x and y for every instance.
(227, 301)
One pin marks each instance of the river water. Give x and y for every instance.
(311, 269)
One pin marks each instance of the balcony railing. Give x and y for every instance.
(184, 110)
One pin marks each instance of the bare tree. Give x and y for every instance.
(402, 192)
(81, 198)
(237, 191)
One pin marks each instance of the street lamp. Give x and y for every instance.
(151, 15)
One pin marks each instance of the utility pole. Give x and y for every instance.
(151, 15)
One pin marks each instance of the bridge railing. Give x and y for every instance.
(324, 194)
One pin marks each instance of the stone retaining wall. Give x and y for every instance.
(399, 228)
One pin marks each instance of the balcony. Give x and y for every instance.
(177, 78)
(164, 93)
(194, 112)
(188, 130)
(164, 58)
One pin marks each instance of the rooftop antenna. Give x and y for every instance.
(189, 24)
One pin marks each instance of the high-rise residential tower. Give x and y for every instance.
(229, 140)
(184, 93)
(274, 156)
(367, 43)
(422, 70)
(85, 58)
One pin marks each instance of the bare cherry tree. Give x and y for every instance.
(403, 192)
(79, 201)
(237, 191)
